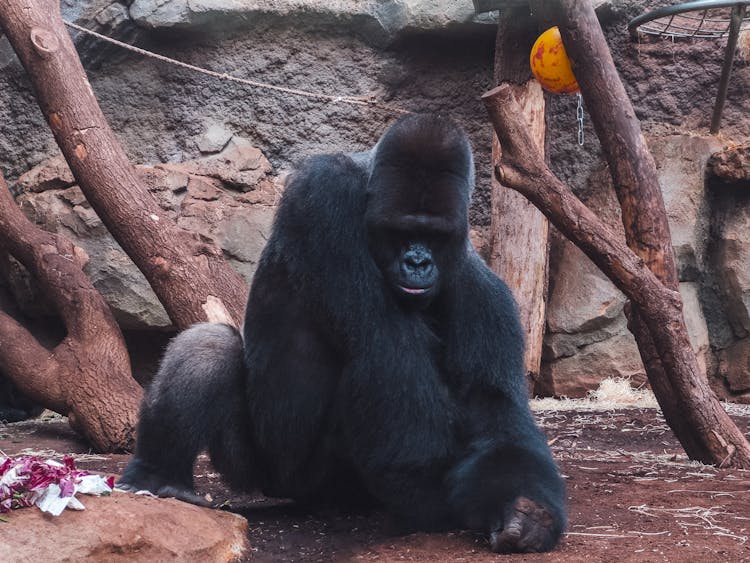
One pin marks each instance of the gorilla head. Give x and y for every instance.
(421, 177)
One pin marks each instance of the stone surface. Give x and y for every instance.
(584, 360)
(731, 165)
(582, 299)
(732, 262)
(215, 138)
(50, 174)
(731, 267)
(576, 375)
(734, 366)
(376, 21)
(696, 324)
(587, 338)
(587, 331)
(124, 527)
(681, 164)
(227, 198)
(240, 166)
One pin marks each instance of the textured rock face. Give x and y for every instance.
(376, 21)
(576, 375)
(228, 198)
(587, 337)
(731, 165)
(731, 261)
(124, 527)
(681, 163)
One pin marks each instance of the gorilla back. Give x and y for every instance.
(379, 352)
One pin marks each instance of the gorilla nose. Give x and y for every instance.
(417, 265)
(417, 259)
(417, 256)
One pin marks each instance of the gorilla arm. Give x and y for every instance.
(399, 424)
(293, 328)
(507, 483)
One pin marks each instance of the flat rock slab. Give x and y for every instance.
(123, 527)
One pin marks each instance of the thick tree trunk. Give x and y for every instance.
(87, 376)
(188, 276)
(692, 411)
(519, 232)
(636, 183)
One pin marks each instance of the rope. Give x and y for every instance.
(353, 100)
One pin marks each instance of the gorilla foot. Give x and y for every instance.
(528, 528)
(168, 491)
(137, 477)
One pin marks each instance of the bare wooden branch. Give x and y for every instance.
(518, 248)
(87, 376)
(689, 405)
(184, 271)
(27, 362)
(630, 162)
(523, 169)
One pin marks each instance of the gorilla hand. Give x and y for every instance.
(528, 527)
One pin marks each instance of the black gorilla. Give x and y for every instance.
(380, 355)
(14, 406)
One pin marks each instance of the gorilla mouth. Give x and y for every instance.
(415, 290)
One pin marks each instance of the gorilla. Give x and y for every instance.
(14, 406)
(380, 358)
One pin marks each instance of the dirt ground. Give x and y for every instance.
(633, 494)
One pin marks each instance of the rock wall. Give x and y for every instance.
(428, 55)
(228, 198)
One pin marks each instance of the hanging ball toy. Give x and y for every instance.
(550, 64)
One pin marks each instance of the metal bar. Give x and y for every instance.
(680, 8)
(738, 13)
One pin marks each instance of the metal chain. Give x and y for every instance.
(579, 118)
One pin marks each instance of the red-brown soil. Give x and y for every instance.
(633, 497)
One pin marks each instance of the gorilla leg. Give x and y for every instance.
(506, 483)
(196, 401)
(510, 488)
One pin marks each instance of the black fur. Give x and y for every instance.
(14, 406)
(379, 351)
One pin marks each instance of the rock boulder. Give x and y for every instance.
(124, 527)
(731, 165)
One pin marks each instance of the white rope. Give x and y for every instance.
(354, 100)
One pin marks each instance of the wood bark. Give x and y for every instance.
(692, 411)
(187, 274)
(644, 216)
(518, 250)
(87, 376)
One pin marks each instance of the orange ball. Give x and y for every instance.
(550, 64)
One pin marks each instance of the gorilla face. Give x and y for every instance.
(418, 274)
(418, 193)
(411, 262)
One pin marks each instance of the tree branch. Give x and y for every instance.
(630, 162)
(184, 272)
(21, 353)
(518, 241)
(523, 169)
(87, 376)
